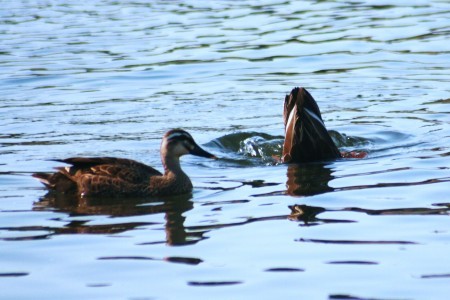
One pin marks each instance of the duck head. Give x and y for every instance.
(177, 142)
(306, 138)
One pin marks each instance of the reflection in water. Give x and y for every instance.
(172, 207)
(213, 283)
(302, 180)
(173, 259)
(308, 179)
(15, 274)
(305, 213)
(313, 179)
(354, 242)
(308, 214)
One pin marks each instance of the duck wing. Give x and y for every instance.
(96, 173)
(306, 137)
(110, 167)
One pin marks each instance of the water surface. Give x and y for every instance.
(109, 78)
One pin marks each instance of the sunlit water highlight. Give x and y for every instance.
(108, 78)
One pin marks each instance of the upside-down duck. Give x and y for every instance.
(306, 137)
(110, 176)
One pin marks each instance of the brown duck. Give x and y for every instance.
(109, 176)
(306, 137)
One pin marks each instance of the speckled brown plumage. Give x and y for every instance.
(109, 176)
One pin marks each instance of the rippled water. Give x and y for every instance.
(108, 78)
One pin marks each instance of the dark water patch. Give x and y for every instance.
(72, 227)
(388, 170)
(31, 233)
(98, 285)
(351, 297)
(309, 214)
(14, 274)
(257, 183)
(439, 101)
(213, 283)
(184, 260)
(352, 262)
(331, 71)
(75, 227)
(436, 276)
(270, 194)
(354, 242)
(401, 211)
(126, 258)
(205, 228)
(284, 269)
(26, 238)
(226, 202)
(152, 243)
(395, 184)
(443, 153)
(173, 259)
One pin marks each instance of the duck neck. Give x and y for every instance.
(172, 166)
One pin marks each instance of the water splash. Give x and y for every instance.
(257, 148)
(267, 149)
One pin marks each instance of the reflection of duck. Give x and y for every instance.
(173, 209)
(108, 176)
(308, 179)
(305, 213)
(115, 207)
(306, 138)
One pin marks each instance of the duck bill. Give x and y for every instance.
(198, 151)
(306, 137)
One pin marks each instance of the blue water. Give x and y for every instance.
(108, 78)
